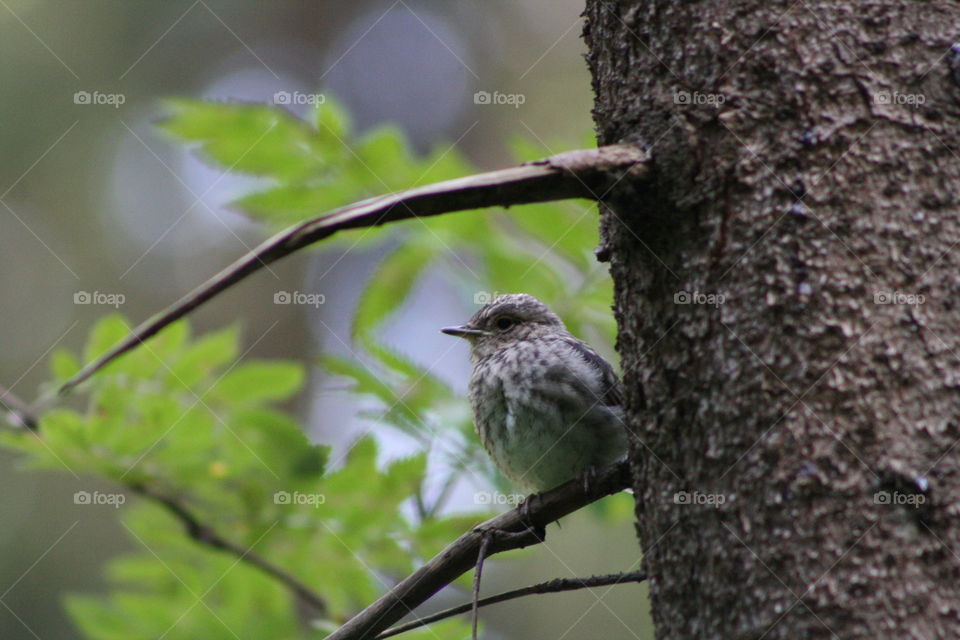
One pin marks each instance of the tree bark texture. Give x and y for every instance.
(797, 413)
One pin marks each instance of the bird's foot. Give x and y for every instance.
(530, 533)
(589, 477)
(539, 531)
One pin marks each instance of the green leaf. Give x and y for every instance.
(389, 288)
(420, 390)
(386, 159)
(96, 619)
(257, 381)
(63, 364)
(290, 203)
(332, 122)
(280, 443)
(107, 332)
(248, 138)
(63, 429)
(207, 354)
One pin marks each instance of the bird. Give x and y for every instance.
(546, 406)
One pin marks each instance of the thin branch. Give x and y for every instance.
(445, 490)
(460, 556)
(557, 585)
(477, 574)
(584, 173)
(22, 411)
(205, 535)
(200, 532)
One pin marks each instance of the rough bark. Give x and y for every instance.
(826, 418)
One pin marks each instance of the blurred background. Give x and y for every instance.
(100, 211)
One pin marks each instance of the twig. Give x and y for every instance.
(194, 527)
(19, 408)
(200, 532)
(460, 556)
(477, 573)
(586, 173)
(445, 491)
(205, 535)
(557, 585)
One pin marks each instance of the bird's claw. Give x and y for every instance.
(589, 478)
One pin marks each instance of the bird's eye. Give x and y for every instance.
(504, 323)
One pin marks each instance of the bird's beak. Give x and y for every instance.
(464, 331)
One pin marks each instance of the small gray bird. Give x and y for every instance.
(547, 407)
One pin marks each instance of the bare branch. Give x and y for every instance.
(205, 535)
(200, 532)
(460, 556)
(477, 574)
(557, 585)
(586, 173)
(19, 409)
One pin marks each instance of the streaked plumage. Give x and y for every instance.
(546, 405)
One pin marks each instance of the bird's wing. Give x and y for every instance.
(611, 391)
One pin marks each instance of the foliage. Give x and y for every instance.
(184, 416)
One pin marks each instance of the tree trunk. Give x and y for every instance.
(796, 459)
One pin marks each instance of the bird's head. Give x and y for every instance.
(507, 319)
